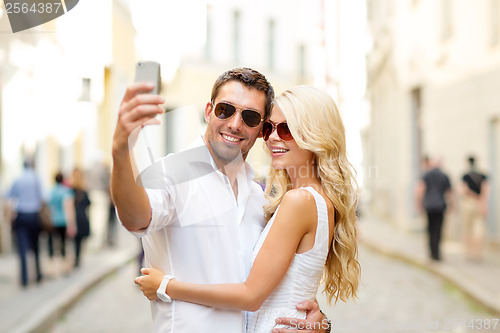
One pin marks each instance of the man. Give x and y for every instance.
(26, 197)
(474, 210)
(432, 193)
(98, 188)
(201, 214)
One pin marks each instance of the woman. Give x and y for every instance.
(311, 219)
(82, 204)
(62, 215)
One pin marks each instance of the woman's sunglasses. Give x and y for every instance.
(251, 118)
(281, 128)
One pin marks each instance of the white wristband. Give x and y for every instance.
(163, 287)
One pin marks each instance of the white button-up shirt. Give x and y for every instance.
(200, 233)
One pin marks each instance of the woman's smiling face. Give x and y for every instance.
(286, 154)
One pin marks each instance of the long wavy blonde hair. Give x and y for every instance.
(316, 125)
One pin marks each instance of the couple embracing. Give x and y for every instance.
(221, 255)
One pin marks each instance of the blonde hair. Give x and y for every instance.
(316, 125)
(78, 179)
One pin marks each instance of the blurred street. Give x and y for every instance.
(395, 296)
(35, 308)
(400, 291)
(400, 296)
(116, 304)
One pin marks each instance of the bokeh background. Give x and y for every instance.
(412, 79)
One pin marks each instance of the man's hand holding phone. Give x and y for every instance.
(137, 109)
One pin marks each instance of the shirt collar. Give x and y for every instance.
(208, 159)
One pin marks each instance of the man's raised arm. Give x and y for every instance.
(136, 110)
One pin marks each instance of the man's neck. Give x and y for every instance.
(231, 170)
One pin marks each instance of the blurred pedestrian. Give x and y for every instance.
(111, 232)
(61, 202)
(5, 220)
(26, 199)
(433, 195)
(425, 164)
(474, 210)
(98, 188)
(82, 204)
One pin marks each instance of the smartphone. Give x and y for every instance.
(149, 71)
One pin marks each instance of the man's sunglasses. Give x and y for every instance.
(224, 110)
(281, 128)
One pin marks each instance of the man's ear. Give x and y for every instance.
(208, 111)
(260, 133)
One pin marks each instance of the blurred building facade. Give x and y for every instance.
(250, 34)
(62, 82)
(60, 87)
(433, 72)
(299, 47)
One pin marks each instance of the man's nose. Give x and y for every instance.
(235, 123)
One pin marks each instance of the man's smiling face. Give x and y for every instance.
(226, 138)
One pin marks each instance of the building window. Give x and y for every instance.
(495, 21)
(446, 19)
(418, 160)
(416, 130)
(85, 92)
(493, 179)
(271, 44)
(302, 61)
(209, 41)
(236, 35)
(369, 10)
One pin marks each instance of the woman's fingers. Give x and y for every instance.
(147, 282)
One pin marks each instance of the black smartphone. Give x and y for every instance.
(149, 71)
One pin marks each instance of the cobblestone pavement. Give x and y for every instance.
(394, 297)
(114, 305)
(399, 297)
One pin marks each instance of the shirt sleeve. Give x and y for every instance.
(70, 193)
(162, 211)
(12, 193)
(160, 181)
(425, 178)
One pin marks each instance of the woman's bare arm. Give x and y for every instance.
(296, 217)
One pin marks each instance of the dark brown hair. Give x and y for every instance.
(59, 177)
(250, 78)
